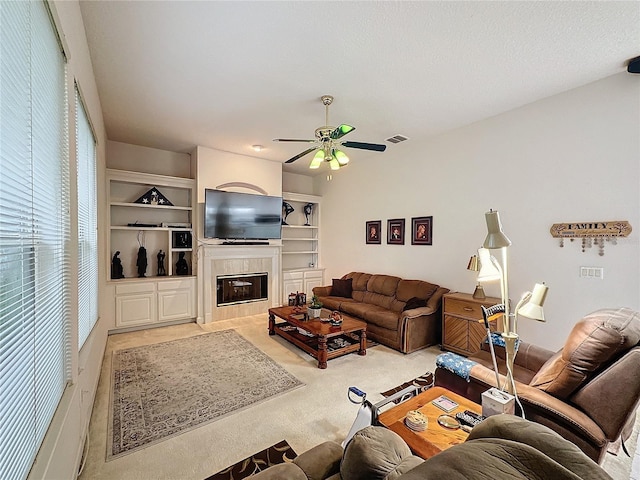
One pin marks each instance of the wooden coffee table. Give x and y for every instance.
(435, 438)
(324, 341)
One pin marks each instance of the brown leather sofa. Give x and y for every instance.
(503, 446)
(587, 392)
(401, 314)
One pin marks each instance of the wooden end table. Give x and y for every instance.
(323, 338)
(435, 438)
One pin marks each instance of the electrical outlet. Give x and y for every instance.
(596, 273)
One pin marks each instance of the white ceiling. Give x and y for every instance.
(230, 74)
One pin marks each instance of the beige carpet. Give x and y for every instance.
(305, 416)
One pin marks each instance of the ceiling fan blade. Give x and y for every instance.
(300, 155)
(341, 131)
(292, 140)
(366, 146)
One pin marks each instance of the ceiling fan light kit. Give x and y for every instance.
(327, 142)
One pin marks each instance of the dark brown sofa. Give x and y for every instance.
(401, 314)
(588, 391)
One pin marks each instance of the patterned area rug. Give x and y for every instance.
(162, 390)
(279, 453)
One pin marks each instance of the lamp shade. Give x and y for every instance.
(533, 308)
(495, 236)
(341, 157)
(317, 160)
(333, 163)
(488, 269)
(474, 264)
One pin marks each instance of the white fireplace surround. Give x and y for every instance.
(231, 260)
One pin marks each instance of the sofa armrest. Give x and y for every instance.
(417, 312)
(321, 461)
(322, 291)
(435, 300)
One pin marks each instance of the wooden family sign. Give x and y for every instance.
(617, 228)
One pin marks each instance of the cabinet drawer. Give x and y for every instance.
(175, 284)
(130, 288)
(463, 308)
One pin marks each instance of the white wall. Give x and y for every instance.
(571, 157)
(295, 183)
(59, 456)
(136, 158)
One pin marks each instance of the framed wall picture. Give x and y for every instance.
(373, 232)
(422, 231)
(395, 231)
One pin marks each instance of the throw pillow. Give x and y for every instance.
(342, 288)
(415, 302)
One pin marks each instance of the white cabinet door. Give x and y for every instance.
(135, 309)
(175, 300)
(312, 279)
(292, 282)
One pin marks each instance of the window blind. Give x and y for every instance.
(34, 232)
(87, 224)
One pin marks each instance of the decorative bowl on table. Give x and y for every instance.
(335, 319)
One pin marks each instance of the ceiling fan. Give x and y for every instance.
(327, 141)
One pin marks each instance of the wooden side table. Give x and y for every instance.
(435, 438)
(462, 323)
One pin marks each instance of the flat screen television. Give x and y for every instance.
(241, 216)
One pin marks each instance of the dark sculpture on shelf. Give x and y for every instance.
(161, 271)
(308, 210)
(286, 210)
(116, 267)
(182, 267)
(142, 262)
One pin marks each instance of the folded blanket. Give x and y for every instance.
(455, 363)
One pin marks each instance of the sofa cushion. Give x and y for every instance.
(383, 284)
(342, 287)
(371, 314)
(332, 303)
(408, 289)
(596, 340)
(376, 453)
(358, 284)
(321, 461)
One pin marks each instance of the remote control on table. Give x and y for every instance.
(469, 418)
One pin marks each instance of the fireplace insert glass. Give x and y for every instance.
(243, 288)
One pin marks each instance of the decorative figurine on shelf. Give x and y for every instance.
(116, 267)
(161, 271)
(141, 263)
(286, 210)
(182, 267)
(308, 210)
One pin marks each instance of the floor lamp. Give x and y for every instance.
(530, 305)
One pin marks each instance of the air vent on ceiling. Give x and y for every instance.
(397, 139)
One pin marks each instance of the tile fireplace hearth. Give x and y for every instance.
(254, 288)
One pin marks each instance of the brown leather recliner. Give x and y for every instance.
(587, 392)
